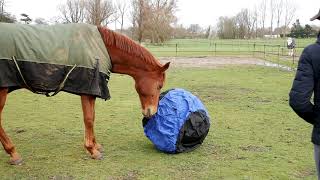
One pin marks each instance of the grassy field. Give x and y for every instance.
(274, 50)
(190, 45)
(254, 133)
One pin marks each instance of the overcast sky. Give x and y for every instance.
(203, 12)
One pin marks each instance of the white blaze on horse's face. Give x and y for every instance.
(148, 89)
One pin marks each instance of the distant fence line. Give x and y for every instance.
(253, 49)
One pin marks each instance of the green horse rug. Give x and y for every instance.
(49, 59)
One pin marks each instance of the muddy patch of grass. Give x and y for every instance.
(254, 148)
(220, 93)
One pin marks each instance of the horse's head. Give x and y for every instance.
(129, 57)
(148, 86)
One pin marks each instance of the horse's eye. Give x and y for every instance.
(159, 87)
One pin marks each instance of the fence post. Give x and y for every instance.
(211, 47)
(279, 56)
(215, 49)
(254, 48)
(176, 49)
(232, 46)
(264, 51)
(293, 55)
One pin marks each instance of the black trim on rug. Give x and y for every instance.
(45, 77)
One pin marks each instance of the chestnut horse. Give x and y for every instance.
(127, 57)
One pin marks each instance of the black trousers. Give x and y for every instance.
(317, 159)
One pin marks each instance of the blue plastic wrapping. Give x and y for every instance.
(174, 108)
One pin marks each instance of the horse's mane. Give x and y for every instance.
(122, 42)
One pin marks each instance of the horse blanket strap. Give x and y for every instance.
(62, 83)
(48, 59)
(58, 89)
(24, 81)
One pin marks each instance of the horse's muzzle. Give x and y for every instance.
(148, 112)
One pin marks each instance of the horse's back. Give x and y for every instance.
(64, 44)
(45, 53)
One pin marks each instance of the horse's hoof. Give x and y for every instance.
(16, 162)
(97, 156)
(100, 148)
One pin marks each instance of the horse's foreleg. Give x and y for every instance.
(88, 108)
(6, 142)
(290, 52)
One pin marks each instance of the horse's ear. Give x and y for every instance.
(165, 67)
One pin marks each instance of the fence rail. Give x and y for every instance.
(274, 52)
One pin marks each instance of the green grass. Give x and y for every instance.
(254, 133)
(275, 49)
(205, 42)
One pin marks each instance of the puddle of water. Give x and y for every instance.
(275, 65)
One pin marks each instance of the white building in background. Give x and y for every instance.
(272, 36)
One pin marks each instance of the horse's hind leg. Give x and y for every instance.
(6, 142)
(88, 109)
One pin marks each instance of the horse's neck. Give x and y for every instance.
(122, 63)
(127, 57)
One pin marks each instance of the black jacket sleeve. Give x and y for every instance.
(302, 89)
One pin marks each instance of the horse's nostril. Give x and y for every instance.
(147, 112)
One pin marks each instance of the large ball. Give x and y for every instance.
(181, 123)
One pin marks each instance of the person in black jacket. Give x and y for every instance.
(306, 83)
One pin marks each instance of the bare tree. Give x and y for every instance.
(289, 13)
(1, 6)
(180, 32)
(263, 13)
(99, 11)
(73, 11)
(271, 8)
(279, 10)
(226, 28)
(242, 21)
(4, 16)
(55, 20)
(115, 17)
(153, 19)
(140, 11)
(252, 22)
(41, 21)
(1, 10)
(122, 8)
(255, 21)
(246, 22)
(160, 20)
(194, 30)
(208, 32)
